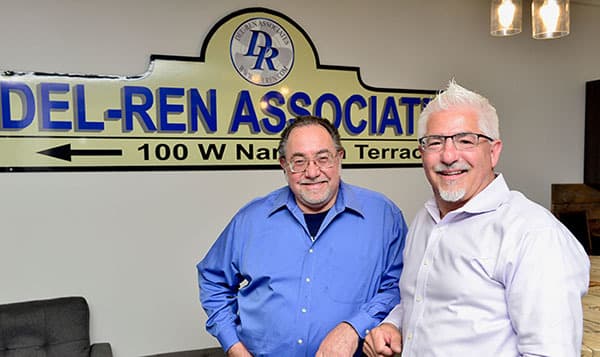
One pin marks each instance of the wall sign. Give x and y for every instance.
(222, 110)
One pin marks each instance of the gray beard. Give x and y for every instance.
(452, 196)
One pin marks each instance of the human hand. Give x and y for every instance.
(238, 350)
(342, 341)
(383, 341)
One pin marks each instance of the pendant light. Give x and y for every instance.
(506, 17)
(550, 19)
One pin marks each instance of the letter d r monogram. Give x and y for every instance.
(266, 48)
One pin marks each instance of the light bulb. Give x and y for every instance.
(505, 17)
(549, 13)
(506, 13)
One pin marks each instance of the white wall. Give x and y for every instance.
(129, 242)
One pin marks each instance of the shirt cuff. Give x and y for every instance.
(227, 338)
(362, 323)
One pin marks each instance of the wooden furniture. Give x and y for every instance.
(578, 207)
(591, 172)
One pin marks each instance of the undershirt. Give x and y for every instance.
(313, 222)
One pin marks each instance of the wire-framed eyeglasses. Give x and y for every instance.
(323, 160)
(461, 141)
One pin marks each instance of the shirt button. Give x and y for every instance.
(303, 309)
(310, 250)
(367, 331)
(300, 341)
(409, 336)
(418, 299)
(307, 280)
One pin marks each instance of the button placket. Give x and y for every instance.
(421, 283)
(305, 296)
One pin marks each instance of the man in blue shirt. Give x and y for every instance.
(310, 268)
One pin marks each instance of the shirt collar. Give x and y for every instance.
(346, 199)
(492, 197)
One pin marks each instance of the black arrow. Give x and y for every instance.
(64, 152)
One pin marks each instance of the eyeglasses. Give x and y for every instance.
(324, 160)
(462, 141)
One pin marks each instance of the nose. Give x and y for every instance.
(449, 153)
(312, 170)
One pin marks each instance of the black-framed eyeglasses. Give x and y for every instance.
(461, 141)
(323, 160)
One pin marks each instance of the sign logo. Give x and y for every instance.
(262, 51)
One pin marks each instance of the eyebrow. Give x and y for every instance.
(298, 154)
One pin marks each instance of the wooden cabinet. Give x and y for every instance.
(577, 206)
(591, 171)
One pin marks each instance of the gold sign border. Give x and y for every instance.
(181, 167)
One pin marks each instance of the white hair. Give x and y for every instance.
(456, 96)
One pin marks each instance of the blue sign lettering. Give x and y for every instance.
(262, 50)
(26, 97)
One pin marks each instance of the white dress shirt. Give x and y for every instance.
(499, 277)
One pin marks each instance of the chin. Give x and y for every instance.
(452, 196)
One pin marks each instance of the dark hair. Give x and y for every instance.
(307, 120)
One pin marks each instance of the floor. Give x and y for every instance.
(591, 313)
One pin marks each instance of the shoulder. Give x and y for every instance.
(365, 193)
(264, 205)
(521, 209)
(533, 233)
(526, 222)
(367, 198)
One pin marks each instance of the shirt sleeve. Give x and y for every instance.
(545, 280)
(376, 309)
(219, 281)
(395, 316)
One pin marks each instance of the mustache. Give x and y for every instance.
(306, 181)
(455, 166)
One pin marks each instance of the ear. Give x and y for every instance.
(495, 150)
(282, 163)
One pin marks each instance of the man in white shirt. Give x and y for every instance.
(487, 272)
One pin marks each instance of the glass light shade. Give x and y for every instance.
(550, 19)
(506, 17)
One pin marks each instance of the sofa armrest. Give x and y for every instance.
(102, 349)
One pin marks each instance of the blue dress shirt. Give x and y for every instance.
(267, 283)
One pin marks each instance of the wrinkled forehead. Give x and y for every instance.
(309, 140)
(453, 121)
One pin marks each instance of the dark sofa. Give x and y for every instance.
(48, 328)
(205, 352)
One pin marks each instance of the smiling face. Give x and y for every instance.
(316, 188)
(457, 176)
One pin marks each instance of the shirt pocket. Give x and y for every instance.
(348, 282)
